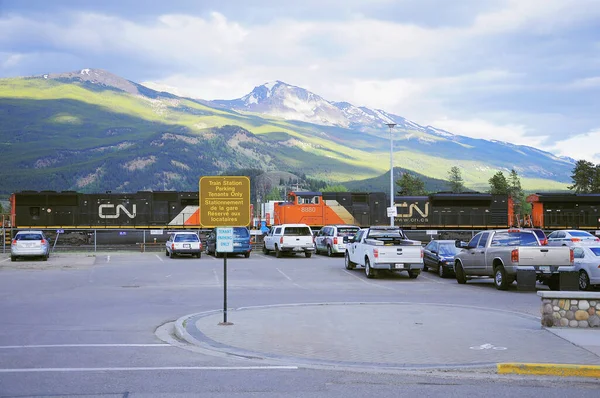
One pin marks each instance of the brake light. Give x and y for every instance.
(597, 239)
(376, 253)
(281, 240)
(14, 242)
(545, 242)
(575, 240)
(421, 252)
(335, 241)
(514, 230)
(514, 255)
(572, 256)
(43, 241)
(172, 246)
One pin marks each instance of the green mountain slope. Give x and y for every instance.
(65, 133)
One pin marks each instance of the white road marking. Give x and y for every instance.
(216, 277)
(367, 282)
(6, 259)
(282, 273)
(168, 276)
(431, 279)
(35, 370)
(107, 259)
(158, 257)
(83, 345)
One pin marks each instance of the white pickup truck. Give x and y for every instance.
(289, 238)
(384, 248)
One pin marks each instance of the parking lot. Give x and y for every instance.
(80, 312)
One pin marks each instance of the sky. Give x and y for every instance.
(521, 71)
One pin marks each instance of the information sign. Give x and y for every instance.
(392, 212)
(224, 201)
(224, 240)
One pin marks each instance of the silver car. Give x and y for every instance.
(572, 237)
(29, 244)
(587, 262)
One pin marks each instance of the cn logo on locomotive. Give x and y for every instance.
(117, 213)
(414, 207)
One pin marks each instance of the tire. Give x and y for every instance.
(425, 268)
(45, 258)
(413, 273)
(347, 263)
(368, 271)
(442, 271)
(277, 252)
(265, 250)
(584, 280)
(172, 255)
(199, 255)
(13, 258)
(461, 278)
(500, 278)
(247, 255)
(329, 252)
(166, 253)
(308, 254)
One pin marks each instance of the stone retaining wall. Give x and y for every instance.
(570, 309)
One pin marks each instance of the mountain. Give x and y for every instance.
(91, 130)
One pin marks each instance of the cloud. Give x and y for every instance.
(580, 146)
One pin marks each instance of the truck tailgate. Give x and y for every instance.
(399, 254)
(544, 255)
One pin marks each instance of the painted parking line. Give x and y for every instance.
(6, 259)
(367, 282)
(160, 259)
(163, 368)
(435, 280)
(288, 278)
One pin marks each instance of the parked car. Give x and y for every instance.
(241, 242)
(541, 235)
(332, 239)
(289, 238)
(587, 263)
(439, 255)
(183, 243)
(29, 244)
(570, 237)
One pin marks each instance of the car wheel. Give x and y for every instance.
(13, 258)
(199, 255)
(425, 268)
(307, 254)
(368, 271)
(247, 255)
(277, 252)
(172, 255)
(500, 279)
(265, 250)
(45, 258)
(584, 280)
(329, 252)
(441, 271)
(347, 263)
(461, 278)
(166, 253)
(413, 273)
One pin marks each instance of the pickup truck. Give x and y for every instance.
(384, 248)
(501, 253)
(289, 238)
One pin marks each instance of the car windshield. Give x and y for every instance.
(186, 238)
(448, 250)
(581, 234)
(298, 231)
(29, 237)
(514, 239)
(347, 231)
(240, 232)
(596, 251)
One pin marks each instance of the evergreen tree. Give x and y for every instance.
(410, 185)
(515, 191)
(335, 188)
(585, 178)
(455, 180)
(498, 184)
(275, 194)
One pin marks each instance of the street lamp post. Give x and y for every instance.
(391, 126)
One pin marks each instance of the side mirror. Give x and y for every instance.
(460, 244)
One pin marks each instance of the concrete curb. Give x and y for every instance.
(549, 369)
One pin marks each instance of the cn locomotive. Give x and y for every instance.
(565, 210)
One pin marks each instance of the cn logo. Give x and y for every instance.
(101, 211)
(412, 208)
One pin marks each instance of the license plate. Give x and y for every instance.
(186, 246)
(237, 244)
(298, 249)
(545, 269)
(399, 266)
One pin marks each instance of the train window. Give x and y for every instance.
(34, 212)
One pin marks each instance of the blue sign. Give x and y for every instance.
(225, 240)
(60, 231)
(122, 233)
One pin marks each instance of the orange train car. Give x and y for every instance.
(563, 210)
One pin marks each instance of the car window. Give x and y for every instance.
(187, 238)
(29, 237)
(561, 235)
(581, 234)
(474, 240)
(277, 231)
(431, 245)
(344, 231)
(540, 234)
(578, 252)
(240, 233)
(595, 250)
(448, 249)
(297, 231)
(483, 240)
(514, 239)
(553, 235)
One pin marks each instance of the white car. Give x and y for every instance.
(29, 244)
(587, 262)
(572, 237)
(183, 243)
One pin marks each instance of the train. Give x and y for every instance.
(172, 210)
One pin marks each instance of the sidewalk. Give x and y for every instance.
(391, 335)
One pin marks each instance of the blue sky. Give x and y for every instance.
(522, 71)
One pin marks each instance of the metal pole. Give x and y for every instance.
(391, 126)
(94, 241)
(225, 288)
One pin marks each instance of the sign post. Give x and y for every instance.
(224, 203)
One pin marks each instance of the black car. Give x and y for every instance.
(439, 255)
